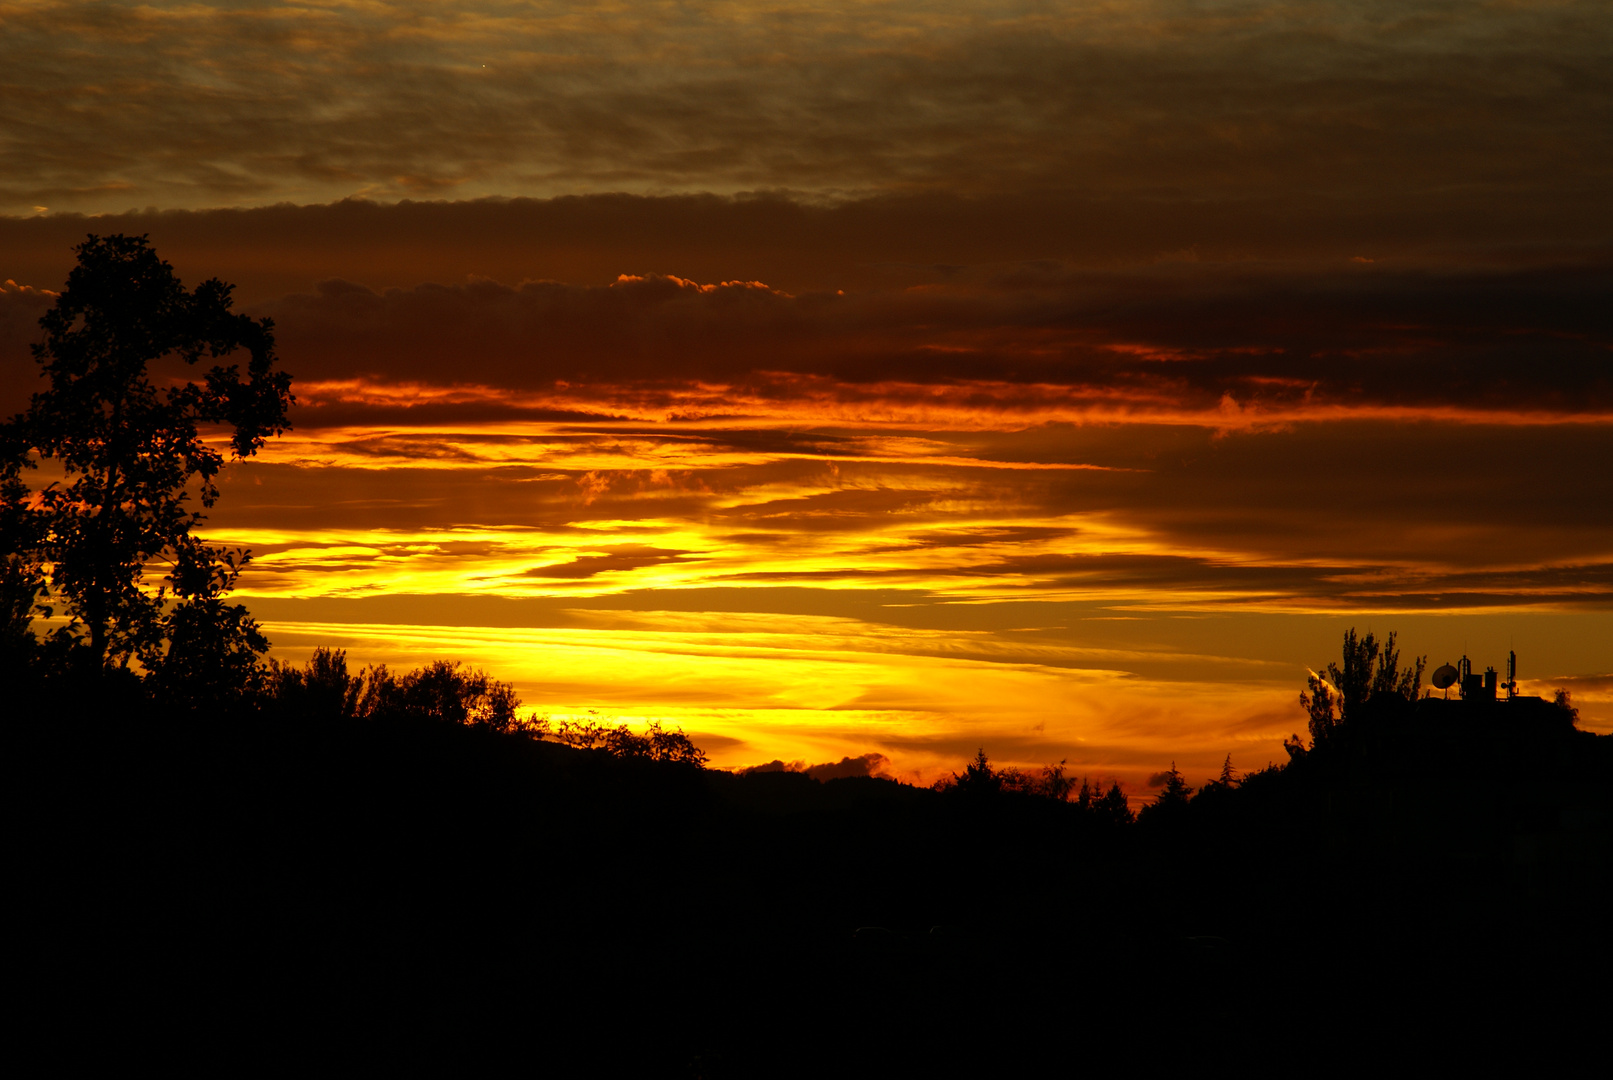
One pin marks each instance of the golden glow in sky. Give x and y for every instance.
(879, 378)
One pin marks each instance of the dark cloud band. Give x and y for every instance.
(1341, 102)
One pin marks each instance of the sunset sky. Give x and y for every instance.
(892, 379)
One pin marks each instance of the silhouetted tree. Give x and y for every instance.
(1565, 701)
(213, 647)
(1054, 784)
(1390, 678)
(1176, 791)
(1172, 801)
(656, 743)
(1321, 703)
(587, 734)
(1370, 669)
(674, 746)
(22, 569)
(445, 691)
(321, 690)
(1104, 806)
(1218, 792)
(130, 450)
(978, 777)
(1112, 807)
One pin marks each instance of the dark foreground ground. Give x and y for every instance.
(222, 895)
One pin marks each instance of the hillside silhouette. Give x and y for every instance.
(302, 870)
(224, 860)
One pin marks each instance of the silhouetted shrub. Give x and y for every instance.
(655, 744)
(1565, 702)
(321, 690)
(444, 691)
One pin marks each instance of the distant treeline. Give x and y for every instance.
(410, 862)
(448, 692)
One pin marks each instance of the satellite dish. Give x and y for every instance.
(1444, 678)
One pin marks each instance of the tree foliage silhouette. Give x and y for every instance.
(1055, 784)
(321, 691)
(656, 743)
(1176, 791)
(1110, 806)
(134, 445)
(1170, 806)
(978, 777)
(444, 691)
(22, 567)
(1371, 669)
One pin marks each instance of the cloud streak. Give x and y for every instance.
(1227, 348)
(221, 104)
(874, 379)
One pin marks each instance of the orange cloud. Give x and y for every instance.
(1069, 421)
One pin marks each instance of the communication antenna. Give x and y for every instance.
(1444, 678)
